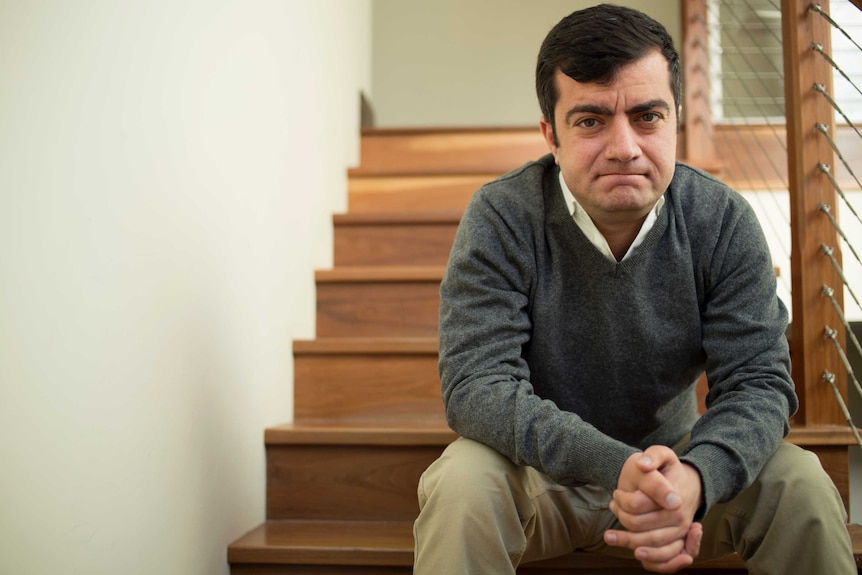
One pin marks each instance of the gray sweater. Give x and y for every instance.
(566, 361)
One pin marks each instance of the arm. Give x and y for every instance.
(484, 323)
(750, 399)
(751, 395)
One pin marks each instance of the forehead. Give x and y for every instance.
(646, 79)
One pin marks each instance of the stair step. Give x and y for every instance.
(306, 547)
(346, 543)
(418, 194)
(447, 151)
(380, 301)
(358, 470)
(391, 430)
(394, 238)
(366, 378)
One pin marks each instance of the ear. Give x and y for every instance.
(550, 138)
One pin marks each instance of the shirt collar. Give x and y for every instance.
(588, 227)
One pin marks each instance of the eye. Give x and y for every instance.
(650, 117)
(588, 123)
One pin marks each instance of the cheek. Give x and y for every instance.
(664, 157)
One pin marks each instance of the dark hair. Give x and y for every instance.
(591, 45)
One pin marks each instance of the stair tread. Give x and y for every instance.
(380, 273)
(421, 131)
(448, 151)
(366, 345)
(326, 543)
(391, 543)
(399, 218)
(418, 194)
(430, 429)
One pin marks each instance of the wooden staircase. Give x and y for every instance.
(341, 479)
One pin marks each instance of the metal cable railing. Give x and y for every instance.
(749, 99)
(784, 80)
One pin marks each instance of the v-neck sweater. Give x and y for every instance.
(564, 360)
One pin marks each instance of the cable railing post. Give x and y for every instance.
(699, 134)
(812, 353)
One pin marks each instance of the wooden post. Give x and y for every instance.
(811, 352)
(699, 136)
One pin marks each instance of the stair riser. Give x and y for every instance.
(396, 245)
(446, 153)
(378, 309)
(412, 194)
(355, 482)
(356, 385)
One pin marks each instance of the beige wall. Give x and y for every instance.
(168, 171)
(468, 62)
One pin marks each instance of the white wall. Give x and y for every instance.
(469, 62)
(168, 171)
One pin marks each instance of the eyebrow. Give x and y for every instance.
(605, 111)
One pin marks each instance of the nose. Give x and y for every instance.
(622, 142)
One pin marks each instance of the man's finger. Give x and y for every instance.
(654, 539)
(693, 539)
(672, 566)
(634, 502)
(660, 490)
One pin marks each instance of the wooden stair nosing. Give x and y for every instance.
(326, 543)
(391, 544)
(422, 429)
(366, 346)
(383, 131)
(404, 431)
(368, 274)
(446, 217)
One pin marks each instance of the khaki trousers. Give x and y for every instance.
(481, 514)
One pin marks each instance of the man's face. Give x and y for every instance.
(616, 143)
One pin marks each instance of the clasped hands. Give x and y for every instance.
(656, 498)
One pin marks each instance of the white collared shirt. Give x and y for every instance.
(585, 222)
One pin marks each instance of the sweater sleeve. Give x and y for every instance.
(751, 395)
(484, 325)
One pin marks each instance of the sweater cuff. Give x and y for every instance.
(716, 476)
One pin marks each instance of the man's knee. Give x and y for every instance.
(467, 471)
(798, 476)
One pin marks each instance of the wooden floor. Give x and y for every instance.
(368, 417)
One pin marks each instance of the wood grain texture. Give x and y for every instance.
(447, 151)
(810, 229)
(389, 305)
(349, 384)
(346, 482)
(394, 239)
(398, 429)
(327, 543)
(419, 194)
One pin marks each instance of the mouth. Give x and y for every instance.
(622, 173)
(623, 176)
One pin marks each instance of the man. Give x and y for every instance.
(586, 292)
